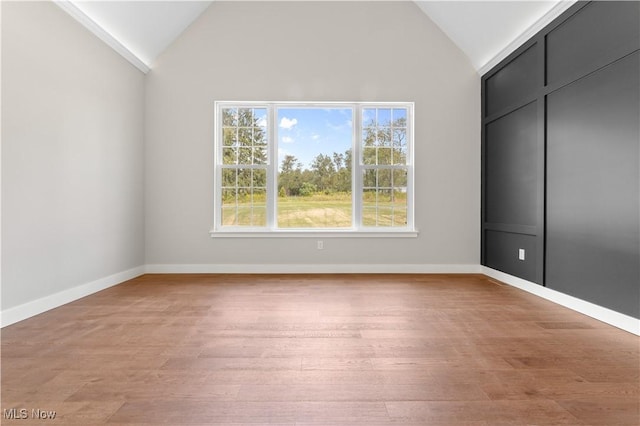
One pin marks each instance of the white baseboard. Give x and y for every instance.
(616, 319)
(312, 269)
(30, 309)
(38, 306)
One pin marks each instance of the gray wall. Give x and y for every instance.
(330, 51)
(593, 156)
(72, 155)
(561, 165)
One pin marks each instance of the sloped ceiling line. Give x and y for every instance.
(545, 20)
(101, 33)
(486, 31)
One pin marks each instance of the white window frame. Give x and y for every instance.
(271, 230)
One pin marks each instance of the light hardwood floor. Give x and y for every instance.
(319, 350)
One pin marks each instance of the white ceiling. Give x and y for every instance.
(484, 30)
(145, 28)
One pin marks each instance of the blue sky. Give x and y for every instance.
(307, 132)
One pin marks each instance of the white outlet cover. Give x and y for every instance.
(521, 254)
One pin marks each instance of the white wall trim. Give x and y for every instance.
(545, 20)
(616, 319)
(35, 307)
(312, 269)
(99, 32)
(286, 233)
(38, 306)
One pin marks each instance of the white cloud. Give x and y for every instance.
(287, 139)
(288, 124)
(315, 137)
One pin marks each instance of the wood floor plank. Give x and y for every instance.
(359, 349)
(531, 412)
(596, 410)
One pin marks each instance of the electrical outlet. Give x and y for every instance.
(320, 245)
(521, 254)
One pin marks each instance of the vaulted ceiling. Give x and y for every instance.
(485, 31)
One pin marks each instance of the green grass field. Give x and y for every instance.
(318, 211)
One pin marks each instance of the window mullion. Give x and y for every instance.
(410, 169)
(272, 167)
(217, 161)
(356, 169)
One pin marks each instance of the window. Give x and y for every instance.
(293, 168)
(384, 166)
(244, 167)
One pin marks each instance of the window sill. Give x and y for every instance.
(296, 233)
